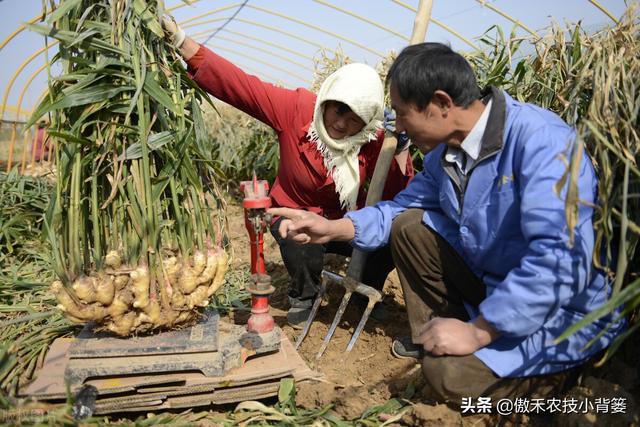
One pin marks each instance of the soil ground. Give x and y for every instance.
(370, 375)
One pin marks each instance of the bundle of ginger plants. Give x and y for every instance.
(134, 223)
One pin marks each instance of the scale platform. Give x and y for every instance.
(211, 347)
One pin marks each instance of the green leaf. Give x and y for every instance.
(156, 141)
(258, 407)
(83, 36)
(142, 9)
(8, 364)
(626, 294)
(68, 37)
(335, 421)
(68, 137)
(410, 391)
(200, 130)
(154, 90)
(286, 392)
(617, 342)
(390, 407)
(64, 8)
(88, 95)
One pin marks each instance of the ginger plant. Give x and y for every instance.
(135, 221)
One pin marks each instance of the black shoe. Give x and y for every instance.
(404, 348)
(297, 317)
(299, 311)
(379, 313)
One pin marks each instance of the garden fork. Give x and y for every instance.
(352, 282)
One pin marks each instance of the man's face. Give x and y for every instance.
(340, 121)
(426, 128)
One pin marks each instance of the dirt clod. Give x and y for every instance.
(432, 416)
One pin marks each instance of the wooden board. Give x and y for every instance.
(258, 378)
(233, 343)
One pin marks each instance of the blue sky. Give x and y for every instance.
(237, 40)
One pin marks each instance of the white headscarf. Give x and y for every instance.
(358, 86)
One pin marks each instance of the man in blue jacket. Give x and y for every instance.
(479, 237)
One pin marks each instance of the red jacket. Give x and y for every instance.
(302, 180)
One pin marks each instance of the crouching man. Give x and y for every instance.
(479, 238)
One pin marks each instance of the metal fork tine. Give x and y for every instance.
(363, 320)
(312, 315)
(336, 319)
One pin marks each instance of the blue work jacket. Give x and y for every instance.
(509, 226)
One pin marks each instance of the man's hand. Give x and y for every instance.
(307, 227)
(174, 33)
(446, 336)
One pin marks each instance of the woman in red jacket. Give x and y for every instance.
(329, 144)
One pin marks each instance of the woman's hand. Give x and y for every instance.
(389, 125)
(173, 32)
(186, 46)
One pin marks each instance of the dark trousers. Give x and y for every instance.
(435, 281)
(305, 262)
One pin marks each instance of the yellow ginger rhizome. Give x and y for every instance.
(136, 221)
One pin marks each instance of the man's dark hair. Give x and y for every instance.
(423, 68)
